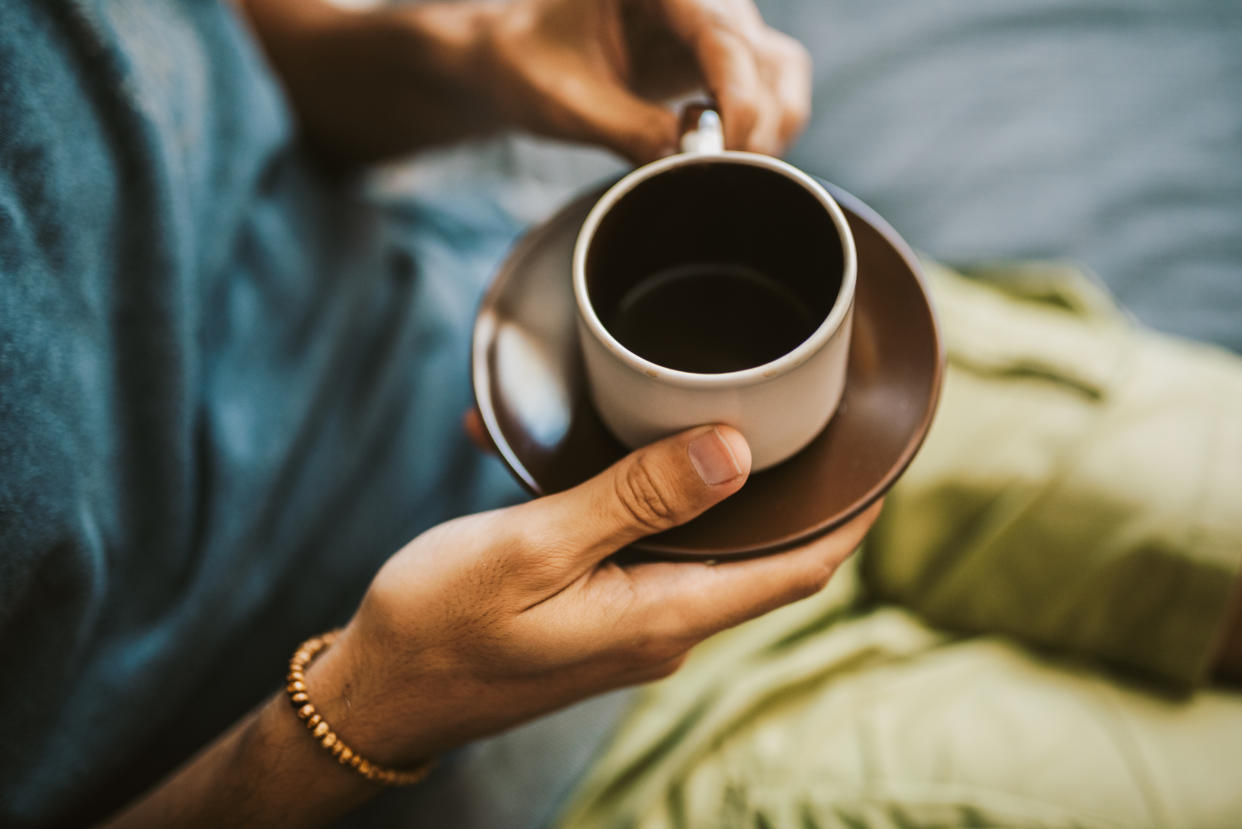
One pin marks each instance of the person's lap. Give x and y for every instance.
(828, 715)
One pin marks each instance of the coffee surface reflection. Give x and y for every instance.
(710, 318)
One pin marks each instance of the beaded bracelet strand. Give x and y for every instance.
(323, 733)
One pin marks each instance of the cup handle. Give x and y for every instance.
(701, 129)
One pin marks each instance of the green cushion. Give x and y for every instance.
(1078, 492)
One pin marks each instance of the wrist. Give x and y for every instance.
(346, 684)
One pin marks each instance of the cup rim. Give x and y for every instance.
(831, 323)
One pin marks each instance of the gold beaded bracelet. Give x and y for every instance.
(323, 733)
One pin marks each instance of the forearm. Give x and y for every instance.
(375, 84)
(265, 771)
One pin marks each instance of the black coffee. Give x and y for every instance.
(711, 318)
(714, 267)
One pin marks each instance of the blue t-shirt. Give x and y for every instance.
(229, 388)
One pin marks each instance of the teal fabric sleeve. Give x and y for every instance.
(230, 388)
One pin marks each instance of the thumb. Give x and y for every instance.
(653, 489)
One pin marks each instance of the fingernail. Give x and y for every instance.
(713, 459)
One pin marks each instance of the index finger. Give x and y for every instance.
(687, 602)
(728, 64)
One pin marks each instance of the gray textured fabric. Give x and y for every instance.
(1109, 132)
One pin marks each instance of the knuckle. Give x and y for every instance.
(802, 56)
(524, 556)
(673, 628)
(536, 570)
(790, 50)
(643, 497)
(791, 123)
(720, 23)
(646, 139)
(647, 649)
(814, 580)
(634, 657)
(512, 541)
(659, 130)
(743, 108)
(665, 669)
(746, 109)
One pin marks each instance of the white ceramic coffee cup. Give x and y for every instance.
(779, 406)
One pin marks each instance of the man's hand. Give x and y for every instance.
(390, 81)
(589, 70)
(495, 618)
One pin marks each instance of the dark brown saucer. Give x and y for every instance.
(531, 392)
